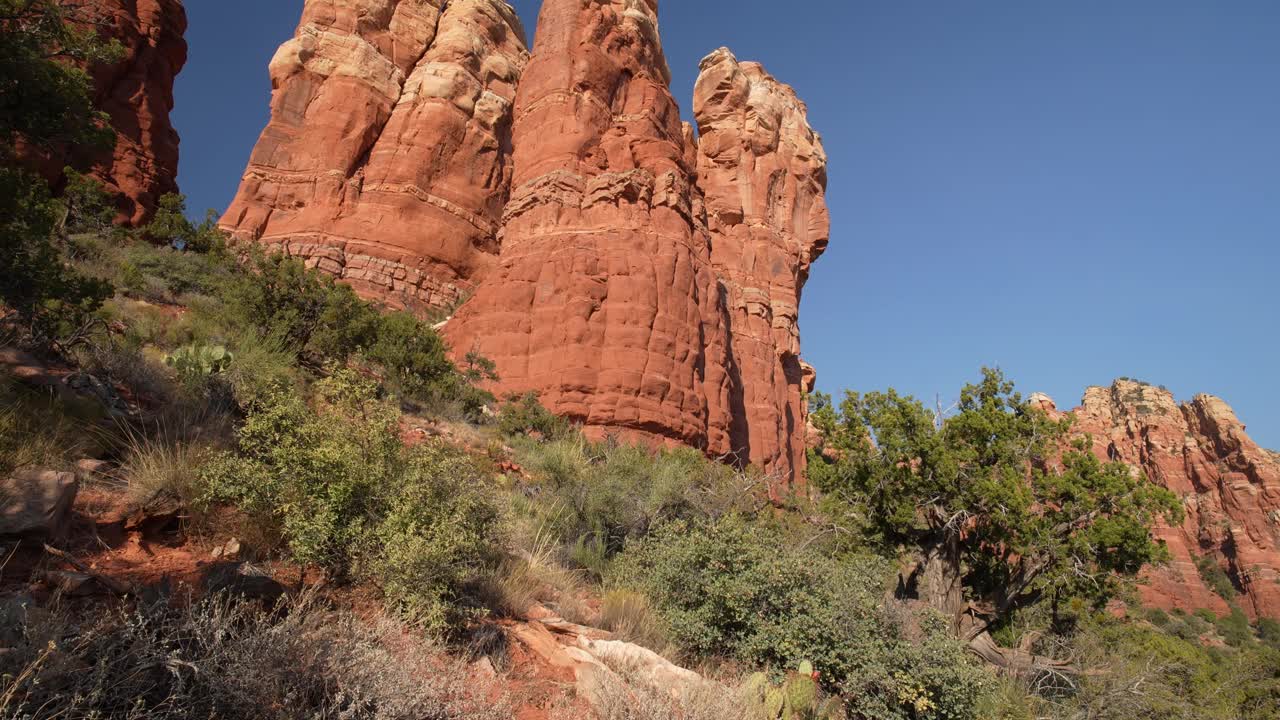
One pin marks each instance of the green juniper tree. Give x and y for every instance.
(994, 515)
(45, 104)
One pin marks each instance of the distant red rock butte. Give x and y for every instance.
(1229, 485)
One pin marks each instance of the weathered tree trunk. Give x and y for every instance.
(938, 580)
(1015, 661)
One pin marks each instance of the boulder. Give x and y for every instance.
(37, 503)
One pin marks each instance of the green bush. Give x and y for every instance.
(596, 497)
(736, 589)
(90, 208)
(51, 302)
(418, 367)
(308, 311)
(337, 484)
(1216, 578)
(178, 273)
(1235, 628)
(1269, 632)
(521, 415)
(1180, 679)
(171, 226)
(440, 531)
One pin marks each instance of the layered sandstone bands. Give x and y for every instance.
(387, 159)
(1229, 486)
(136, 93)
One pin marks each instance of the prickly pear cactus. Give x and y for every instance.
(797, 698)
(197, 362)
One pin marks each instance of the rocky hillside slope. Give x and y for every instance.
(1229, 485)
(645, 282)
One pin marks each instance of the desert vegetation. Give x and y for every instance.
(937, 566)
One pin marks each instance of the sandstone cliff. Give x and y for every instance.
(604, 301)
(762, 170)
(1230, 488)
(387, 158)
(644, 283)
(136, 92)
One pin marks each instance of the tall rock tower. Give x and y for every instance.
(643, 283)
(604, 301)
(387, 161)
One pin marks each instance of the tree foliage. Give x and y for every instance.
(996, 514)
(45, 103)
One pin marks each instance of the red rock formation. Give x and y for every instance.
(604, 300)
(763, 172)
(603, 279)
(136, 92)
(387, 159)
(1230, 487)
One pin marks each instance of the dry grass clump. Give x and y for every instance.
(630, 617)
(161, 468)
(40, 432)
(535, 577)
(230, 660)
(623, 696)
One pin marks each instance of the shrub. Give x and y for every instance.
(308, 311)
(595, 497)
(90, 208)
(736, 589)
(53, 304)
(418, 367)
(171, 226)
(521, 415)
(439, 533)
(1235, 628)
(176, 273)
(339, 487)
(168, 660)
(316, 474)
(1269, 632)
(1180, 679)
(1216, 578)
(413, 354)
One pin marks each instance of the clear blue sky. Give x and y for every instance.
(1074, 191)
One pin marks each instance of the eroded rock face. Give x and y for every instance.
(604, 300)
(643, 283)
(136, 92)
(763, 172)
(387, 159)
(1229, 486)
